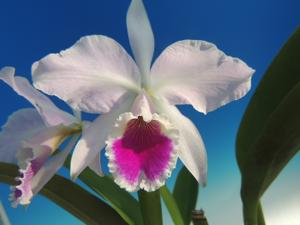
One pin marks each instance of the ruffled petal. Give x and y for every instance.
(198, 73)
(91, 76)
(30, 162)
(140, 35)
(21, 125)
(142, 154)
(32, 156)
(94, 137)
(191, 147)
(48, 111)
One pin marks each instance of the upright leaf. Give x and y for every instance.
(71, 197)
(171, 206)
(278, 143)
(186, 193)
(151, 207)
(260, 215)
(126, 205)
(282, 75)
(254, 140)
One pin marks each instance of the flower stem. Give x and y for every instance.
(150, 207)
(260, 215)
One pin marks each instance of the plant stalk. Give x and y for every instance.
(150, 207)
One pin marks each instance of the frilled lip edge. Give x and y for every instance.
(143, 182)
(30, 162)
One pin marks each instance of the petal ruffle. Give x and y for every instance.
(30, 162)
(35, 172)
(20, 125)
(94, 137)
(48, 111)
(142, 154)
(91, 76)
(140, 36)
(191, 147)
(198, 73)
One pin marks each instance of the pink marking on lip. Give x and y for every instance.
(143, 148)
(23, 188)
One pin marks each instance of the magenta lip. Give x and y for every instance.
(143, 149)
(23, 187)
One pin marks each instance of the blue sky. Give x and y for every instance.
(251, 30)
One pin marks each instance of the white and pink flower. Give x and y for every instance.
(31, 137)
(143, 131)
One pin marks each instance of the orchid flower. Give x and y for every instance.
(140, 127)
(31, 136)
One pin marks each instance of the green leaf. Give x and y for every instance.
(260, 215)
(278, 142)
(186, 193)
(124, 203)
(171, 205)
(71, 197)
(282, 76)
(151, 207)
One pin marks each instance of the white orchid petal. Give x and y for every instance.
(20, 125)
(95, 165)
(29, 161)
(35, 170)
(197, 73)
(142, 106)
(50, 137)
(48, 111)
(191, 150)
(140, 35)
(91, 76)
(94, 137)
(51, 167)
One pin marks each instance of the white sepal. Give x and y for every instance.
(198, 73)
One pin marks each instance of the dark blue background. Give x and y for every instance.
(251, 30)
